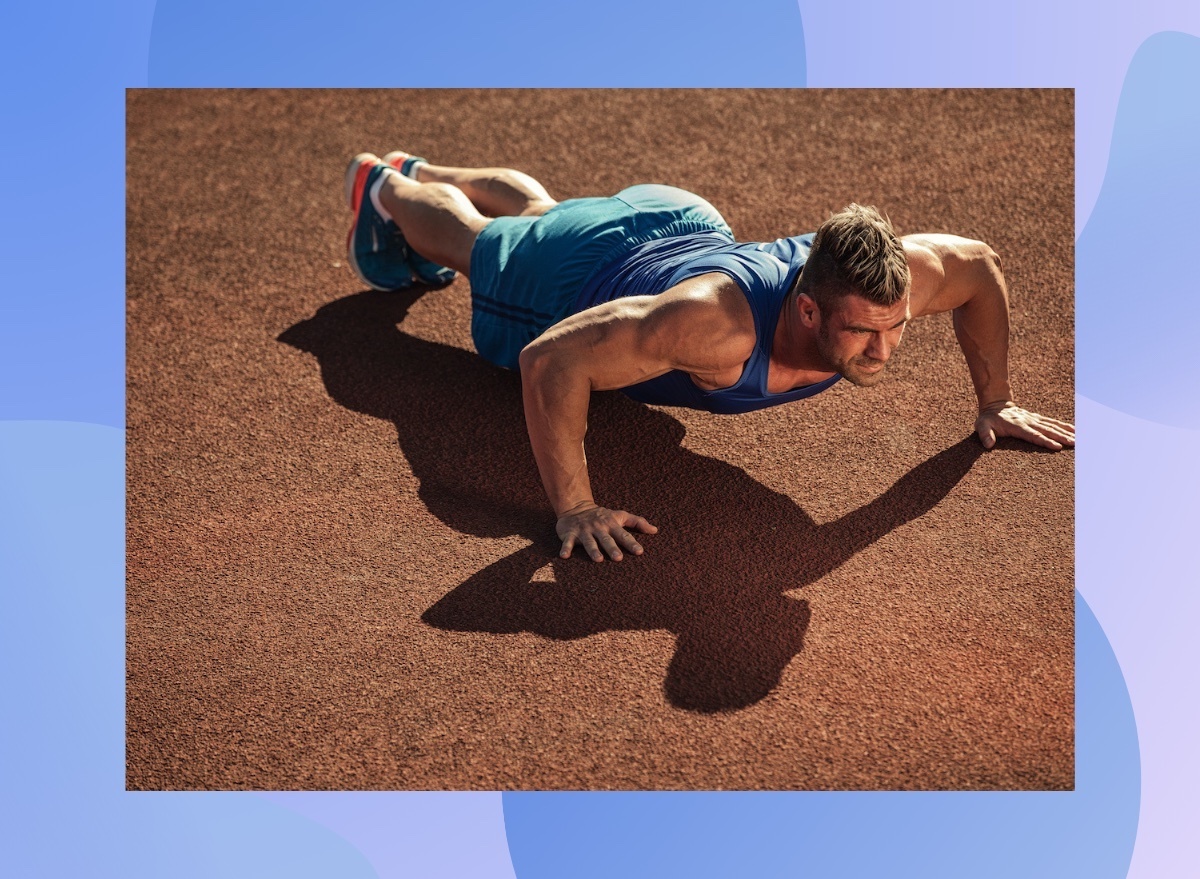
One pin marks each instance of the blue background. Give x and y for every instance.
(1136, 74)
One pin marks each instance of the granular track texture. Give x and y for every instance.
(341, 565)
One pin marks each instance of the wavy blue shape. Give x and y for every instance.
(1088, 832)
(464, 43)
(1136, 276)
(229, 835)
(1033, 44)
(1137, 484)
(62, 235)
(64, 809)
(414, 833)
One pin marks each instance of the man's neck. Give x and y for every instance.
(795, 359)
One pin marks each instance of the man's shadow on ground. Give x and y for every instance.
(715, 575)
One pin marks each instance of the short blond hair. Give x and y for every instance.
(855, 251)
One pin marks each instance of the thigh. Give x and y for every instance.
(526, 271)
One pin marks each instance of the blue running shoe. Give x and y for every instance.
(378, 253)
(426, 271)
(405, 163)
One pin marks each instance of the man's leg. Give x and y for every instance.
(405, 232)
(437, 220)
(496, 192)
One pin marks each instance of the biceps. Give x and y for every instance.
(608, 347)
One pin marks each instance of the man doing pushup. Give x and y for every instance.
(649, 293)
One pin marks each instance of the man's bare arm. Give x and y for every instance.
(702, 326)
(965, 277)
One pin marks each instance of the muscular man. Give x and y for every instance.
(648, 292)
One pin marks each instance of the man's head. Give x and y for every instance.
(854, 292)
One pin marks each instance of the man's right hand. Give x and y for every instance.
(702, 326)
(598, 528)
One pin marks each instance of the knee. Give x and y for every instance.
(444, 192)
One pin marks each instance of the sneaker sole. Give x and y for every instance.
(362, 163)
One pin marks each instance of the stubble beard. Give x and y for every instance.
(852, 369)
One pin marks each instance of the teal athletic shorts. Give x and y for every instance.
(526, 272)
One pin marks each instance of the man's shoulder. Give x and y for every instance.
(938, 262)
(708, 311)
(716, 293)
(931, 250)
(925, 270)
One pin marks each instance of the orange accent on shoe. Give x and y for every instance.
(360, 181)
(397, 158)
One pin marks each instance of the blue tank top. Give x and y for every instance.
(765, 273)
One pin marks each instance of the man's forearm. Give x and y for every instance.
(981, 325)
(556, 404)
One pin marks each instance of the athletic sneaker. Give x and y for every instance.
(378, 253)
(427, 271)
(404, 162)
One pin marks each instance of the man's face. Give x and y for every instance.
(857, 337)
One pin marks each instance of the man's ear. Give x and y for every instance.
(810, 312)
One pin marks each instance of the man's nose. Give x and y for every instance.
(879, 349)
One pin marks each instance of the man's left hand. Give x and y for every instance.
(1009, 419)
